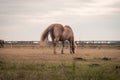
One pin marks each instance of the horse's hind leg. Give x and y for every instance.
(70, 48)
(54, 46)
(62, 47)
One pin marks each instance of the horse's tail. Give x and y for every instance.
(45, 33)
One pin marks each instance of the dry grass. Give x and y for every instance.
(42, 55)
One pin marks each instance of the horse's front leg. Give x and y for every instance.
(71, 48)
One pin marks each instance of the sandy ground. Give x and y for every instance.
(46, 55)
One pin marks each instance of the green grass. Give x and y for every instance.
(41, 64)
(76, 70)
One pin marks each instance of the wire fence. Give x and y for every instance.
(37, 44)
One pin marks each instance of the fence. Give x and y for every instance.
(49, 43)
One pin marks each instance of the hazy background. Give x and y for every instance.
(89, 19)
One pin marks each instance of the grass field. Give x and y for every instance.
(42, 64)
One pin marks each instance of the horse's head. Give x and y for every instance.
(74, 47)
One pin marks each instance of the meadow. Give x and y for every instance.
(39, 63)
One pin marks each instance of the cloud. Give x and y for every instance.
(43, 11)
(95, 7)
(38, 14)
(46, 8)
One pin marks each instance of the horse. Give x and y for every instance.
(58, 32)
(2, 43)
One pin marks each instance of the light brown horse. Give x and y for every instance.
(59, 33)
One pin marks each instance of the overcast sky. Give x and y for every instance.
(89, 19)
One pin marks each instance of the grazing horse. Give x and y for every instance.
(59, 33)
(1, 43)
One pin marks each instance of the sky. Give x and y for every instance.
(25, 20)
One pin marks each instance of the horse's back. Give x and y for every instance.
(68, 33)
(68, 29)
(57, 29)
